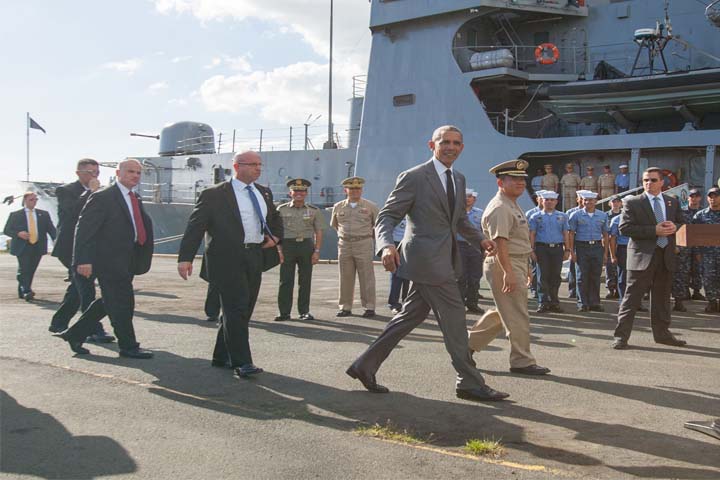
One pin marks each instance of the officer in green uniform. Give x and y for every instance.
(302, 239)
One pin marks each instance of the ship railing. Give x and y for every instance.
(307, 136)
(522, 58)
(172, 193)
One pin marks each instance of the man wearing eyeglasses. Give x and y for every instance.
(650, 220)
(80, 293)
(239, 219)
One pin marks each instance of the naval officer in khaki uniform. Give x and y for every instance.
(302, 239)
(354, 219)
(507, 272)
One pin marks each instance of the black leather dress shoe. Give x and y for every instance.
(597, 308)
(481, 394)
(100, 338)
(307, 316)
(679, 307)
(29, 296)
(368, 313)
(620, 344)
(213, 318)
(136, 353)
(219, 363)
(672, 341)
(556, 309)
(56, 328)
(697, 296)
(475, 309)
(368, 382)
(247, 370)
(531, 370)
(583, 309)
(543, 309)
(74, 346)
(343, 313)
(282, 318)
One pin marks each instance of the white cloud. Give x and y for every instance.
(213, 63)
(157, 86)
(179, 102)
(129, 66)
(239, 64)
(181, 59)
(285, 95)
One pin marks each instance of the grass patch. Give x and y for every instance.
(389, 432)
(485, 448)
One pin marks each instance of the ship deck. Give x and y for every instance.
(600, 414)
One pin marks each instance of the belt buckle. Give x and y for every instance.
(591, 242)
(552, 245)
(299, 239)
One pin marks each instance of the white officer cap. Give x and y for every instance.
(549, 195)
(587, 194)
(470, 191)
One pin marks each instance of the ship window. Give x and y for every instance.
(541, 37)
(404, 100)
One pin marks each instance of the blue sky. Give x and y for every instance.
(91, 72)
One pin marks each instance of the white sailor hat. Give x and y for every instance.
(623, 166)
(549, 194)
(470, 191)
(580, 193)
(587, 194)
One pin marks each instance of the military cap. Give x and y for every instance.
(589, 167)
(549, 194)
(547, 165)
(570, 165)
(587, 194)
(623, 166)
(353, 182)
(693, 191)
(606, 166)
(514, 168)
(615, 197)
(470, 191)
(298, 184)
(714, 191)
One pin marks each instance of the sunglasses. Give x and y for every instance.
(652, 180)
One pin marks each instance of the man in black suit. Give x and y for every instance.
(650, 220)
(240, 220)
(28, 229)
(113, 241)
(81, 291)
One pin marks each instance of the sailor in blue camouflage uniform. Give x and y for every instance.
(710, 256)
(549, 238)
(589, 240)
(687, 270)
(572, 284)
(611, 273)
(533, 265)
(472, 258)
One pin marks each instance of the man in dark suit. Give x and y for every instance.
(428, 257)
(650, 220)
(240, 220)
(113, 241)
(28, 229)
(81, 291)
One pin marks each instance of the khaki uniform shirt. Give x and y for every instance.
(550, 181)
(570, 183)
(606, 184)
(354, 223)
(504, 218)
(589, 183)
(300, 223)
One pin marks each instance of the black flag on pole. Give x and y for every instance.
(36, 126)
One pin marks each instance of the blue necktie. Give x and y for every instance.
(258, 210)
(657, 208)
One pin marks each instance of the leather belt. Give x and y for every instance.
(588, 242)
(354, 239)
(551, 245)
(252, 245)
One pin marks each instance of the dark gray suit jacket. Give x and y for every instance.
(638, 222)
(426, 251)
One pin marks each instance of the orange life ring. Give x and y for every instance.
(546, 54)
(672, 180)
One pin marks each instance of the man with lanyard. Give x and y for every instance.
(687, 272)
(302, 240)
(590, 242)
(471, 257)
(622, 180)
(533, 265)
(549, 237)
(572, 284)
(611, 273)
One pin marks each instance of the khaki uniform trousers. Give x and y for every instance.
(513, 313)
(356, 256)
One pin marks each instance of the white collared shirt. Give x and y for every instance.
(440, 169)
(250, 221)
(651, 198)
(125, 193)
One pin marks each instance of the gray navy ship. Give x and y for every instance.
(587, 82)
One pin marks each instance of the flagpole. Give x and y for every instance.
(27, 149)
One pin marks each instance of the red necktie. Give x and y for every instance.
(139, 225)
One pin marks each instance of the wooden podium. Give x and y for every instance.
(698, 235)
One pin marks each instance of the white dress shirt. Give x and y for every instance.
(250, 221)
(651, 198)
(126, 195)
(440, 169)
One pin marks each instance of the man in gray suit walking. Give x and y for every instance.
(428, 256)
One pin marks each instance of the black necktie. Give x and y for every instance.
(450, 191)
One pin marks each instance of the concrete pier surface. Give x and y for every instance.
(602, 413)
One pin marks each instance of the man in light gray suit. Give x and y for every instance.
(428, 256)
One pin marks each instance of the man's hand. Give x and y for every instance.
(533, 257)
(315, 258)
(270, 242)
(85, 270)
(390, 258)
(573, 257)
(509, 282)
(489, 247)
(665, 229)
(185, 269)
(613, 260)
(566, 255)
(24, 235)
(282, 257)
